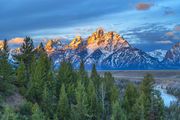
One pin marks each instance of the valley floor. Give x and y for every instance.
(164, 79)
(159, 75)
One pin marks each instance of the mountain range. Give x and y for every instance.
(110, 51)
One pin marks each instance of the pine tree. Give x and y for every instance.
(8, 114)
(63, 110)
(80, 108)
(6, 70)
(130, 99)
(27, 55)
(74, 115)
(146, 88)
(94, 74)
(117, 112)
(47, 102)
(35, 89)
(66, 76)
(82, 75)
(157, 106)
(66, 73)
(39, 76)
(106, 91)
(102, 97)
(37, 114)
(147, 85)
(139, 108)
(95, 77)
(39, 50)
(93, 105)
(21, 81)
(49, 99)
(82, 68)
(111, 89)
(113, 94)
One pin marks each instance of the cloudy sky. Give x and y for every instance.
(146, 24)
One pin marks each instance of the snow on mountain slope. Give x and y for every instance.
(130, 58)
(159, 53)
(106, 50)
(109, 50)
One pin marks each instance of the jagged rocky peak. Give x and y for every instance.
(114, 38)
(75, 43)
(173, 55)
(109, 50)
(53, 45)
(49, 46)
(99, 32)
(96, 36)
(108, 41)
(173, 52)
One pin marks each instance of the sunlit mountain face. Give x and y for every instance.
(109, 51)
(146, 24)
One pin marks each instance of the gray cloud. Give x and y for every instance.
(168, 11)
(152, 36)
(19, 17)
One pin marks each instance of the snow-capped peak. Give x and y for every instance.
(107, 42)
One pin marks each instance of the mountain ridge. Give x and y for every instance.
(106, 50)
(109, 50)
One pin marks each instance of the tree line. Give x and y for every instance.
(68, 94)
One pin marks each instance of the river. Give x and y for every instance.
(167, 98)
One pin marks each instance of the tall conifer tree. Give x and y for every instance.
(63, 110)
(27, 55)
(6, 70)
(37, 114)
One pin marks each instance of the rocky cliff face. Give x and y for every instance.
(49, 46)
(107, 42)
(53, 45)
(75, 43)
(172, 57)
